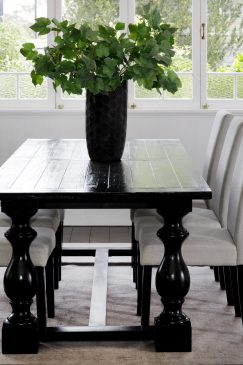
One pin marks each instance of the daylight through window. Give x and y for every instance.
(208, 51)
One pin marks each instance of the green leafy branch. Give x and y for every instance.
(100, 60)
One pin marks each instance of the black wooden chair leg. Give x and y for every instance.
(240, 287)
(59, 240)
(41, 298)
(237, 285)
(221, 278)
(146, 295)
(134, 255)
(56, 267)
(139, 285)
(228, 285)
(50, 287)
(216, 273)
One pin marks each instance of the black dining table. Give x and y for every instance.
(57, 173)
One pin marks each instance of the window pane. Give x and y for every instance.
(179, 14)
(28, 91)
(240, 87)
(92, 11)
(224, 46)
(220, 86)
(73, 96)
(17, 17)
(142, 93)
(8, 86)
(185, 92)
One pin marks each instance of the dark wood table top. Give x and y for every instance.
(59, 172)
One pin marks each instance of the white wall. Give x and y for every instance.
(192, 127)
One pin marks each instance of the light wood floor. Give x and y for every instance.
(97, 234)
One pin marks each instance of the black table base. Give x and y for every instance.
(172, 329)
(173, 337)
(102, 333)
(44, 174)
(20, 332)
(172, 326)
(20, 339)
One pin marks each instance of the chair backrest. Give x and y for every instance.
(221, 181)
(215, 143)
(235, 211)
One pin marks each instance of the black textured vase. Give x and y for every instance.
(106, 124)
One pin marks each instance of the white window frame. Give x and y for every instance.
(26, 104)
(127, 15)
(183, 104)
(207, 103)
(199, 72)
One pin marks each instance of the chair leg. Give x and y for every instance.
(146, 295)
(139, 285)
(132, 240)
(59, 240)
(56, 267)
(134, 255)
(240, 287)
(58, 256)
(228, 285)
(50, 288)
(237, 286)
(216, 273)
(41, 298)
(221, 278)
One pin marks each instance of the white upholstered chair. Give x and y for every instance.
(41, 254)
(215, 144)
(46, 218)
(210, 171)
(205, 246)
(220, 184)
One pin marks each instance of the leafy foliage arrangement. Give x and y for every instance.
(100, 60)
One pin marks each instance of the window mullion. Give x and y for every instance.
(56, 10)
(203, 56)
(123, 11)
(131, 14)
(52, 6)
(131, 11)
(196, 53)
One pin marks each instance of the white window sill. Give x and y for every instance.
(131, 112)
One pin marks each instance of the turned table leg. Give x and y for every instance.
(172, 326)
(20, 328)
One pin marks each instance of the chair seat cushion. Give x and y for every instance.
(203, 247)
(135, 213)
(62, 214)
(40, 249)
(143, 221)
(145, 212)
(199, 204)
(49, 218)
(199, 217)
